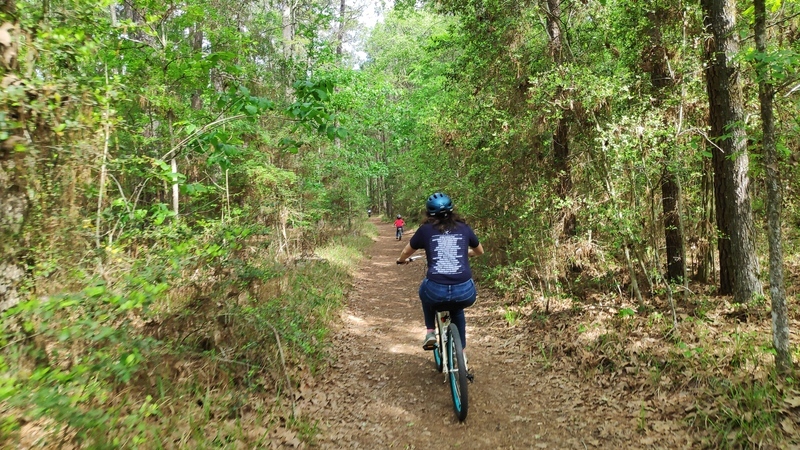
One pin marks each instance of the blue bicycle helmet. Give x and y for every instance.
(438, 204)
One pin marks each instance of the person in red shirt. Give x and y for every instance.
(399, 224)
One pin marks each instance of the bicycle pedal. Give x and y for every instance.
(470, 377)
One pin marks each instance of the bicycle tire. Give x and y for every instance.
(457, 373)
(437, 351)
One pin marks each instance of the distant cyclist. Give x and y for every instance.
(448, 242)
(399, 223)
(369, 212)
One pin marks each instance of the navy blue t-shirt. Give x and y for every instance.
(446, 252)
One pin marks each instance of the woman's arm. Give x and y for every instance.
(475, 251)
(407, 251)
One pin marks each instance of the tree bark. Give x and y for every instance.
(670, 195)
(766, 94)
(738, 263)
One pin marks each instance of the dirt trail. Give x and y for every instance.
(383, 391)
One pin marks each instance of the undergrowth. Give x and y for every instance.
(715, 375)
(197, 343)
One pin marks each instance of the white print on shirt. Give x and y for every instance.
(446, 260)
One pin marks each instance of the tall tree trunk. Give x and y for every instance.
(738, 263)
(780, 322)
(661, 79)
(14, 202)
(197, 47)
(339, 44)
(103, 167)
(288, 29)
(340, 33)
(561, 134)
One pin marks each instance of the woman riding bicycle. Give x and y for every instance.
(448, 242)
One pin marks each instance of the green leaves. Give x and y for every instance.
(311, 109)
(779, 65)
(238, 100)
(160, 212)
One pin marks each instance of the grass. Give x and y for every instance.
(512, 316)
(741, 413)
(545, 355)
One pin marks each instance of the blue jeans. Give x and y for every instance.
(446, 297)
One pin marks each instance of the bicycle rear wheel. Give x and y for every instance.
(457, 372)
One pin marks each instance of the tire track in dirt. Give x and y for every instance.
(383, 390)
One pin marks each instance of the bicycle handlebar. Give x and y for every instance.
(410, 259)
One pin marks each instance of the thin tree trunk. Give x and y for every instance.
(780, 322)
(340, 33)
(174, 167)
(670, 296)
(638, 255)
(103, 168)
(704, 269)
(632, 273)
(736, 246)
(228, 193)
(197, 47)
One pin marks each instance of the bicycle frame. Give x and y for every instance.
(442, 327)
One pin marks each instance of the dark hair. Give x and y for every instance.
(445, 222)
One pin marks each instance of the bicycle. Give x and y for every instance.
(399, 233)
(448, 355)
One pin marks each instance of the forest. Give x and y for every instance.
(184, 187)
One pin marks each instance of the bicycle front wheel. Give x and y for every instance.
(457, 372)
